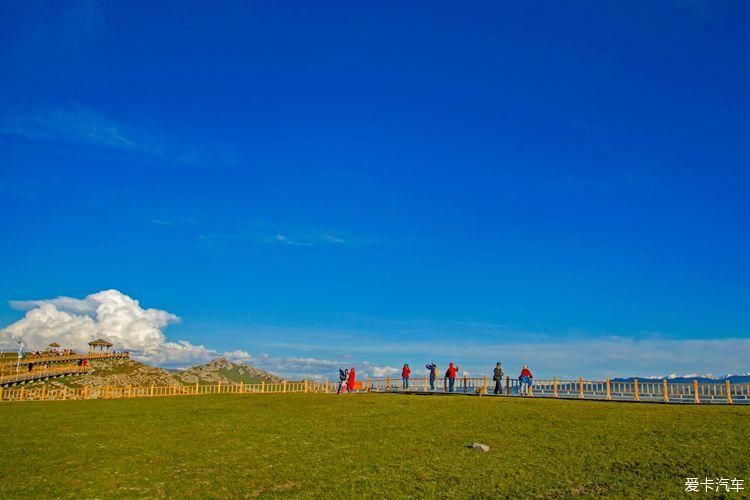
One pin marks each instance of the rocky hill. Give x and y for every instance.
(124, 372)
(114, 372)
(223, 371)
(121, 372)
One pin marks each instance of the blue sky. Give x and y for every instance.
(563, 184)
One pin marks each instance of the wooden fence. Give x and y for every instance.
(646, 391)
(9, 363)
(41, 373)
(21, 393)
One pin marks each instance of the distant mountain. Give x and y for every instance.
(221, 370)
(708, 378)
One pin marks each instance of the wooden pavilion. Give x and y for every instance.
(100, 345)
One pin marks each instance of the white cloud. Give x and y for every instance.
(239, 356)
(70, 123)
(73, 123)
(112, 315)
(383, 371)
(109, 314)
(289, 236)
(563, 355)
(314, 368)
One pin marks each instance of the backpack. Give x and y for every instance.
(343, 374)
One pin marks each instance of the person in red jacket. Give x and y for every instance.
(351, 380)
(450, 374)
(526, 379)
(405, 372)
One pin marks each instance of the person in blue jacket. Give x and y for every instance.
(432, 367)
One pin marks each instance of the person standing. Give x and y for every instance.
(343, 375)
(432, 367)
(526, 379)
(497, 376)
(351, 380)
(405, 372)
(450, 374)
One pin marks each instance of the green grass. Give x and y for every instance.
(368, 445)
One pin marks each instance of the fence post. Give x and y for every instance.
(507, 384)
(328, 382)
(174, 389)
(262, 386)
(44, 393)
(284, 389)
(554, 387)
(23, 391)
(580, 388)
(85, 392)
(130, 390)
(695, 390)
(305, 386)
(666, 391)
(1, 393)
(196, 388)
(635, 388)
(151, 391)
(609, 390)
(369, 384)
(106, 392)
(729, 392)
(242, 387)
(387, 383)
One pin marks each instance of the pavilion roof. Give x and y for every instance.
(101, 342)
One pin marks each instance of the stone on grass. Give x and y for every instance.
(480, 446)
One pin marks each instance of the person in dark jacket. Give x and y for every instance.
(432, 367)
(497, 376)
(405, 372)
(343, 376)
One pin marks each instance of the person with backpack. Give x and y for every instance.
(497, 376)
(351, 380)
(432, 367)
(343, 375)
(526, 379)
(405, 372)
(450, 374)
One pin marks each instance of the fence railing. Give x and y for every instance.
(631, 390)
(21, 393)
(40, 373)
(8, 362)
(635, 390)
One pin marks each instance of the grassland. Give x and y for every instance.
(365, 446)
